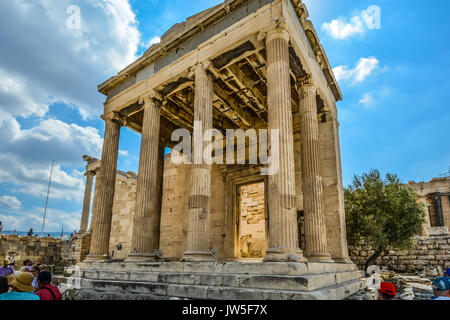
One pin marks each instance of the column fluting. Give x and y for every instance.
(199, 219)
(87, 202)
(315, 229)
(144, 243)
(104, 191)
(283, 227)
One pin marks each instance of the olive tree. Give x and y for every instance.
(383, 213)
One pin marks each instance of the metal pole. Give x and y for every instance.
(46, 200)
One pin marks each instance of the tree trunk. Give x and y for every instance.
(373, 258)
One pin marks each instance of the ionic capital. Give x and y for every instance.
(307, 90)
(277, 31)
(90, 173)
(115, 117)
(151, 96)
(201, 69)
(305, 81)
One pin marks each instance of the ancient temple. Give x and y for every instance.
(243, 64)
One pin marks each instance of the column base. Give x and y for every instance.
(96, 258)
(322, 257)
(284, 255)
(198, 256)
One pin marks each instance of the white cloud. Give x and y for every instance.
(123, 153)
(362, 70)
(367, 99)
(10, 202)
(370, 99)
(340, 29)
(42, 61)
(152, 41)
(55, 219)
(27, 155)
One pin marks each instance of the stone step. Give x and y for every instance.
(282, 282)
(110, 289)
(268, 268)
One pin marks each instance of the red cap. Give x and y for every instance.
(388, 288)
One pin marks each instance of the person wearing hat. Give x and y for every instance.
(46, 290)
(441, 288)
(387, 291)
(21, 288)
(6, 269)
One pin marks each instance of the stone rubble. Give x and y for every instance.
(409, 287)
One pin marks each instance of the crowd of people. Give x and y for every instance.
(32, 282)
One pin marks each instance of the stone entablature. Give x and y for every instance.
(184, 38)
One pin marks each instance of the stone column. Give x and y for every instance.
(198, 238)
(104, 191)
(144, 246)
(87, 202)
(333, 190)
(161, 160)
(445, 207)
(283, 230)
(315, 229)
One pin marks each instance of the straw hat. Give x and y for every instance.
(23, 282)
(7, 261)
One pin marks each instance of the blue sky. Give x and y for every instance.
(394, 116)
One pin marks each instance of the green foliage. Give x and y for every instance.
(382, 212)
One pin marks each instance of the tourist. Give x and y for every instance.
(447, 273)
(30, 233)
(4, 287)
(27, 265)
(387, 291)
(46, 290)
(11, 257)
(35, 272)
(6, 269)
(21, 288)
(441, 289)
(1, 226)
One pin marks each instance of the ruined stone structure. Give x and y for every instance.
(55, 254)
(428, 252)
(436, 194)
(242, 64)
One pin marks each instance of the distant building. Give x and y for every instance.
(436, 193)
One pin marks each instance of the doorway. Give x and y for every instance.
(252, 222)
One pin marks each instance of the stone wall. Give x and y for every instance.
(176, 184)
(429, 252)
(174, 209)
(123, 215)
(78, 248)
(54, 252)
(252, 237)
